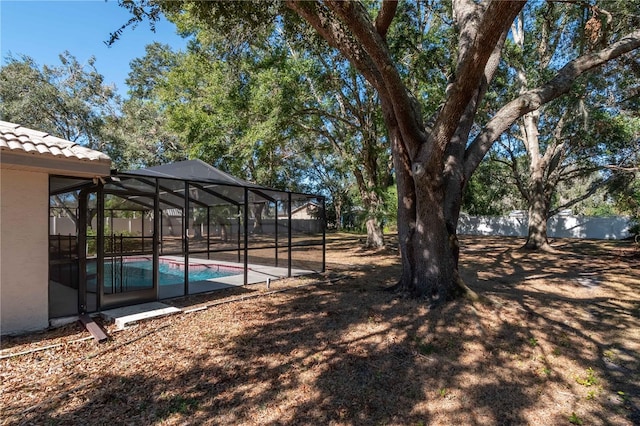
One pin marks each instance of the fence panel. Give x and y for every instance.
(597, 228)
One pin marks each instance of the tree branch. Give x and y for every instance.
(535, 98)
(333, 32)
(461, 134)
(494, 22)
(623, 169)
(370, 56)
(575, 173)
(324, 114)
(385, 17)
(554, 153)
(513, 165)
(589, 193)
(391, 88)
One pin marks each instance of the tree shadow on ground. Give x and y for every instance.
(585, 305)
(347, 353)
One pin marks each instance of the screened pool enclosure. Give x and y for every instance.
(173, 230)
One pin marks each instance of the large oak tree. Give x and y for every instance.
(433, 156)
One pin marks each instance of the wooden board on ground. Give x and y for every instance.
(93, 328)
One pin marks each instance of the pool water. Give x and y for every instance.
(139, 274)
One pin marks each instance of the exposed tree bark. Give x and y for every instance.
(429, 262)
(375, 235)
(385, 16)
(257, 210)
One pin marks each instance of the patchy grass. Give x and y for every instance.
(559, 344)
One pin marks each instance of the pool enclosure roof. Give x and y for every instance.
(193, 170)
(207, 187)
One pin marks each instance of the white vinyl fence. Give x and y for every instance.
(597, 228)
(589, 227)
(65, 226)
(172, 226)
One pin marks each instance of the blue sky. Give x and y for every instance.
(44, 29)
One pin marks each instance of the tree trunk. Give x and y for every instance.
(452, 205)
(197, 231)
(430, 268)
(537, 197)
(538, 212)
(257, 218)
(431, 253)
(372, 204)
(223, 232)
(375, 236)
(435, 273)
(369, 183)
(337, 206)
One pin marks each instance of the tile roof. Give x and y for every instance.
(15, 138)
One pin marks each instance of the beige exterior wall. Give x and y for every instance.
(24, 275)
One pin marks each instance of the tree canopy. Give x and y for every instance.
(438, 134)
(69, 100)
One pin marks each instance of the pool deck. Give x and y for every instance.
(133, 313)
(255, 274)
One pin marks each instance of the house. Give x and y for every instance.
(79, 238)
(308, 210)
(27, 160)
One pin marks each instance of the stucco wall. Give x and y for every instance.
(24, 198)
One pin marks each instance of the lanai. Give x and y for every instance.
(156, 233)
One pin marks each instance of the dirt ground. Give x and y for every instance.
(559, 343)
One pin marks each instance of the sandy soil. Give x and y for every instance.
(558, 344)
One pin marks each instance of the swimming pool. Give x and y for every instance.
(138, 274)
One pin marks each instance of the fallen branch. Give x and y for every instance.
(43, 348)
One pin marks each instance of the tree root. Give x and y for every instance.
(462, 291)
(546, 248)
(472, 296)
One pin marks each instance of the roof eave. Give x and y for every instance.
(54, 165)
